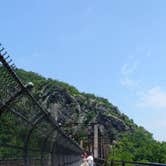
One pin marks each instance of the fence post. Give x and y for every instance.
(123, 163)
(112, 162)
(96, 141)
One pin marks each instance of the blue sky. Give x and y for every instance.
(112, 48)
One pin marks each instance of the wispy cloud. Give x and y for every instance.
(157, 126)
(159, 123)
(128, 69)
(127, 72)
(154, 98)
(129, 83)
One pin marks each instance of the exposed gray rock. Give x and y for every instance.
(77, 111)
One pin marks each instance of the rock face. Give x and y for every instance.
(75, 111)
(60, 103)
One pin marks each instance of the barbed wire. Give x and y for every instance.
(27, 130)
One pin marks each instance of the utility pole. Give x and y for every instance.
(96, 141)
(94, 145)
(81, 143)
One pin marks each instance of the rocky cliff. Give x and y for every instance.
(75, 111)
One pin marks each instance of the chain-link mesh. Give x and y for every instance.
(8, 86)
(29, 135)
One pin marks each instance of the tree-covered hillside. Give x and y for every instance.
(125, 140)
(139, 145)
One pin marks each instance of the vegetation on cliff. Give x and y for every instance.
(68, 106)
(139, 145)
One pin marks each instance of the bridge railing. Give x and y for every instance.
(103, 162)
(29, 135)
(132, 163)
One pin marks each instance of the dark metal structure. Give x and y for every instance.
(132, 163)
(29, 135)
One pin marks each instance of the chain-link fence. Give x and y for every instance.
(29, 135)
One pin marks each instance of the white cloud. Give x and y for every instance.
(129, 69)
(157, 126)
(160, 123)
(126, 79)
(153, 98)
(129, 83)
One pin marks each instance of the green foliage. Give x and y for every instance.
(11, 133)
(40, 81)
(71, 89)
(135, 145)
(89, 116)
(139, 146)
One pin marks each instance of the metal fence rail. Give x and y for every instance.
(29, 135)
(133, 163)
